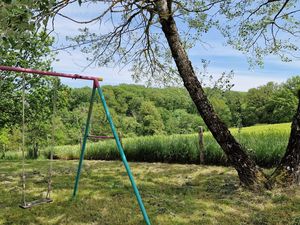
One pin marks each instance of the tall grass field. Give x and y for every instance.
(265, 143)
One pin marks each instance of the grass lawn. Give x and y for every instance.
(172, 194)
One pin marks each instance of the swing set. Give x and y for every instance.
(96, 88)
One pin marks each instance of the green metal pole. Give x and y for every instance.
(121, 151)
(86, 133)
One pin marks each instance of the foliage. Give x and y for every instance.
(265, 144)
(150, 118)
(264, 28)
(271, 103)
(135, 39)
(257, 28)
(23, 44)
(139, 111)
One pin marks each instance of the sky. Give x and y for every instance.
(222, 58)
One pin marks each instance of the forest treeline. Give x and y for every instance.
(136, 110)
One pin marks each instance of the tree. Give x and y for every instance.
(221, 109)
(288, 170)
(23, 45)
(269, 27)
(257, 100)
(235, 101)
(4, 138)
(150, 119)
(293, 85)
(281, 105)
(181, 122)
(264, 28)
(136, 37)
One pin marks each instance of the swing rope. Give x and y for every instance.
(52, 142)
(23, 141)
(47, 198)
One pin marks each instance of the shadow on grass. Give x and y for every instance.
(173, 194)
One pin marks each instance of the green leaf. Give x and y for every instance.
(7, 1)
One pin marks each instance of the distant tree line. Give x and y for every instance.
(136, 110)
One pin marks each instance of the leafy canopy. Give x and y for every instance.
(130, 31)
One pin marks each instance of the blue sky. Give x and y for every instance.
(222, 58)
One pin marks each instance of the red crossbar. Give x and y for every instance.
(47, 73)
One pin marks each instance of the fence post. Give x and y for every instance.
(201, 144)
(3, 152)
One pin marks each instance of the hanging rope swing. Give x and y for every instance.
(47, 199)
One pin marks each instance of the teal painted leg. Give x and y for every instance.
(86, 133)
(121, 151)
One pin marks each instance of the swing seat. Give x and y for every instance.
(36, 202)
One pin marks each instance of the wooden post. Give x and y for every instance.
(201, 145)
(35, 150)
(3, 152)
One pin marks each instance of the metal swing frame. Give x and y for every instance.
(96, 88)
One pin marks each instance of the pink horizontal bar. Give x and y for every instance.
(101, 137)
(47, 73)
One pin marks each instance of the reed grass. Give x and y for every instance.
(265, 143)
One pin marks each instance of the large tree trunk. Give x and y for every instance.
(288, 171)
(249, 174)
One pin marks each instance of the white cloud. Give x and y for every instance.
(274, 60)
(214, 48)
(75, 62)
(245, 82)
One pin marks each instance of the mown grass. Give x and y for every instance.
(265, 143)
(173, 194)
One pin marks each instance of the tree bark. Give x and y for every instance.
(288, 171)
(249, 174)
(201, 145)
